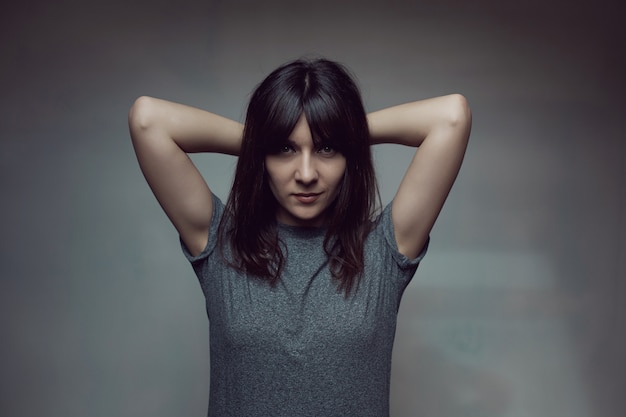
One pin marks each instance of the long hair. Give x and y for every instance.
(326, 94)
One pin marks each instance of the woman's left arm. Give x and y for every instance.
(439, 127)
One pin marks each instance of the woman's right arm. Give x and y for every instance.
(163, 133)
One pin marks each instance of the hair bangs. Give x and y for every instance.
(277, 117)
(328, 127)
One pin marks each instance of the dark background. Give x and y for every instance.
(518, 309)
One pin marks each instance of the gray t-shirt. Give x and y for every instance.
(301, 348)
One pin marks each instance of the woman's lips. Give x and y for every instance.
(307, 198)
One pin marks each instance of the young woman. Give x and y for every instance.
(302, 278)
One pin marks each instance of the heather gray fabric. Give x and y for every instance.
(301, 348)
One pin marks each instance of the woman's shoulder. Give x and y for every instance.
(213, 232)
(382, 239)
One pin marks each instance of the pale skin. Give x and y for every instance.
(163, 133)
(304, 178)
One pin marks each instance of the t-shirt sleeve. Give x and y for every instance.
(402, 261)
(218, 210)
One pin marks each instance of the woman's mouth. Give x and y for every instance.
(307, 198)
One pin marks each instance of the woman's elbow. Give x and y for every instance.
(140, 116)
(459, 112)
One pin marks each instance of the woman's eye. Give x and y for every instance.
(326, 150)
(285, 149)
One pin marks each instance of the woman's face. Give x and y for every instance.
(305, 179)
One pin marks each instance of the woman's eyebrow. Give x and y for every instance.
(288, 142)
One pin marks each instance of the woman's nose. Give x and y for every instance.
(306, 171)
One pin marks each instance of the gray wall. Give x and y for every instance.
(519, 308)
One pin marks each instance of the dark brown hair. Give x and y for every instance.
(327, 95)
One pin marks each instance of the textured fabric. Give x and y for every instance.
(301, 348)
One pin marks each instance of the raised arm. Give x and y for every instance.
(440, 128)
(163, 133)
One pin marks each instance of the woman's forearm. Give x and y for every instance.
(192, 129)
(411, 123)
